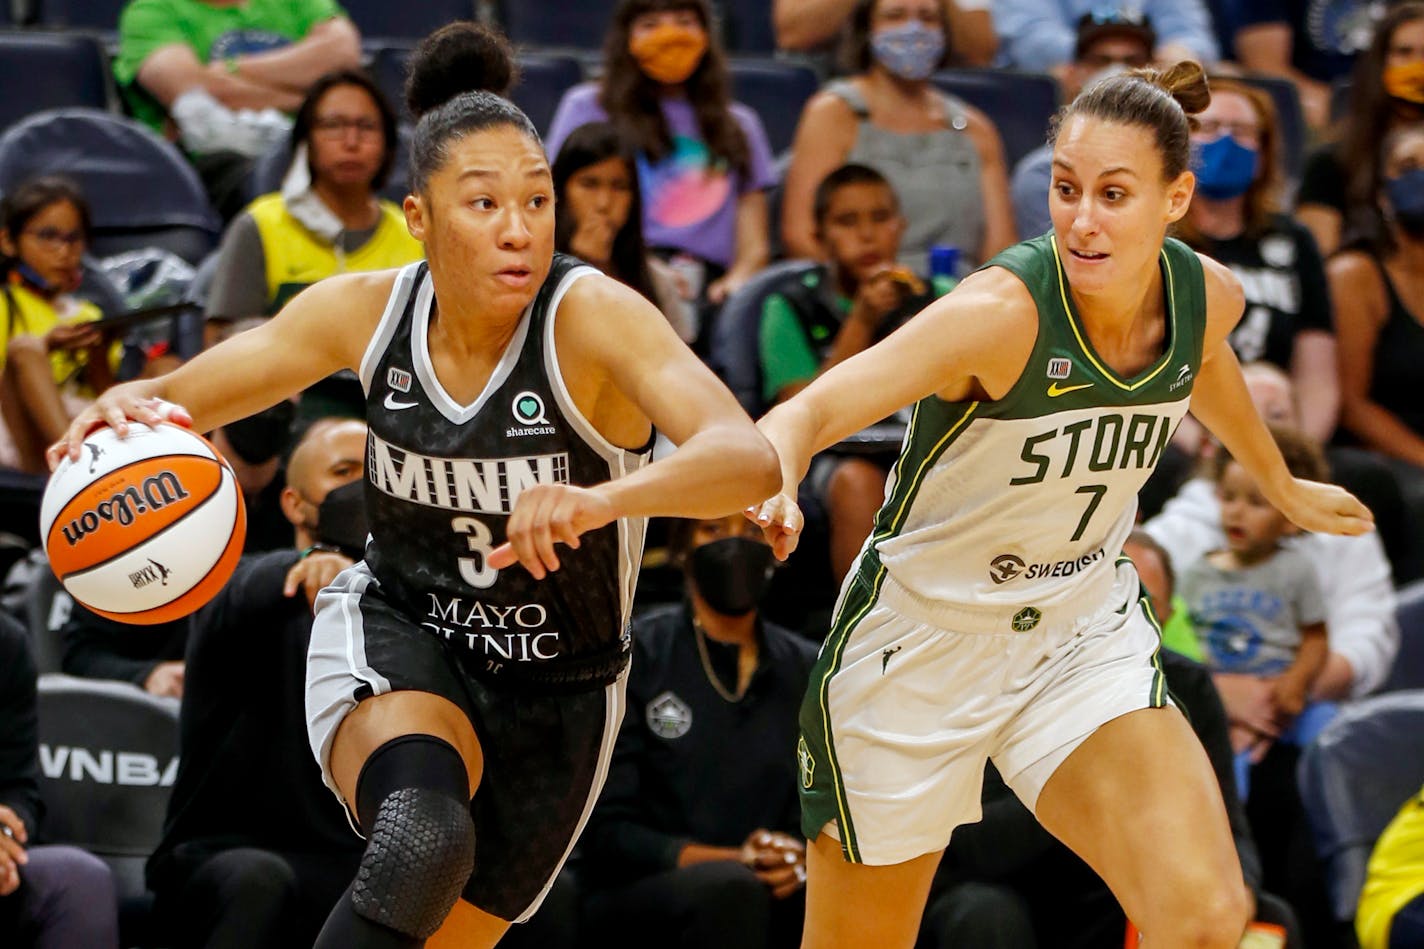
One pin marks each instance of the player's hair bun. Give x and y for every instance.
(459, 57)
(1184, 81)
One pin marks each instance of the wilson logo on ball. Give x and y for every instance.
(154, 493)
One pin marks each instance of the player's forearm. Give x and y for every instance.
(792, 431)
(721, 470)
(1221, 402)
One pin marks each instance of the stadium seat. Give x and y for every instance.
(1019, 103)
(581, 25)
(47, 606)
(98, 15)
(53, 70)
(140, 189)
(746, 25)
(108, 758)
(1290, 119)
(1408, 669)
(1354, 778)
(269, 170)
(383, 18)
(777, 92)
(734, 351)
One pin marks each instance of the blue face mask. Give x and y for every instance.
(1406, 199)
(1224, 167)
(911, 51)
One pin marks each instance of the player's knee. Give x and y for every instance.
(418, 858)
(1212, 917)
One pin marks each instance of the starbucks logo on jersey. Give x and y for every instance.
(528, 411)
(669, 716)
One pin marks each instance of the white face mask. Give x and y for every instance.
(304, 204)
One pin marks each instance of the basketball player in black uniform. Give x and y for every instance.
(463, 711)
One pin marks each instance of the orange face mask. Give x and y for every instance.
(669, 53)
(1405, 82)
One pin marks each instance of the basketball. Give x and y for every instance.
(145, 528)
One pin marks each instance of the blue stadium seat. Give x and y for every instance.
(544, 78)
(1290, 119)
(1019, 103)
(777, 92)
(140, 189)
(580, 25)
(1354, 778)
(99, 15)
(746, 24)
(734, 352)
(1408, 669)
(384, 18)
(43, 71)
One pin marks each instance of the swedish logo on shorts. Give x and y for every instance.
(808, 764)
(1026, 619)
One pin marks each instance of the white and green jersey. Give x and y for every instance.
(1001, 516)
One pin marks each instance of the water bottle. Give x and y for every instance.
(944, 261)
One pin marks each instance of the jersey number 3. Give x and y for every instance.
(476, 570)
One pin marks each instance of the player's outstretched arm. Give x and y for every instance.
(1221, 401)
(971, 343)
(323, 329)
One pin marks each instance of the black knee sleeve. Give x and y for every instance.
(413, 800)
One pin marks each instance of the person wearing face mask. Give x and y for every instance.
(704, 163)
(943, 158)
(1235, 217)
(1378, 287)
(696, 835)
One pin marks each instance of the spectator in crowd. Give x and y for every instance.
(1339, 192)
(1235, 218)
(256, 448)
(209, 71)
(255, 850)
(1354, 574)
(814, 320)
(699, 847)
(328, 217)
(1107, 42)
(1159, 585)
(1037, 35)
(53, 359)
(1391, 913)
(1257, 604)
(600, 218)
(810, 25)
(943, 158)
(1379, 286)
(1294, 40)
(150, 657)
(704, 163)
(51, 897)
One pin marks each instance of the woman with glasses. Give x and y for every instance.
(53, 360)
(327, 218)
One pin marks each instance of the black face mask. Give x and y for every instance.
(732, 573)
(341, 519)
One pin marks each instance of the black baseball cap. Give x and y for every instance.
(1106, 21)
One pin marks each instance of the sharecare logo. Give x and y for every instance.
(124, 507)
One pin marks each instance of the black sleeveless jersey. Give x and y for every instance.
(442, 479)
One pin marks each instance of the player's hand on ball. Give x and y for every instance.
(115, 407)
(314, 573)
(547, 514)
(780, 521)
(1326, 508)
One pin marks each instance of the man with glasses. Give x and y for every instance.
(1038, 35)
(1107, 42)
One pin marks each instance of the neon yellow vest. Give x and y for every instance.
(296, 258)
(33, 315)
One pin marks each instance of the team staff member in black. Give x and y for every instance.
(511, 399)
(701, 848)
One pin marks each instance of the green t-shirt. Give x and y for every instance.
(255, 26)
(789, 352)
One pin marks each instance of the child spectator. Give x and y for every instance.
(600, 218)
(1256, 603)
(814, 320)
(943, 158)
(704, 163)
(53, 360)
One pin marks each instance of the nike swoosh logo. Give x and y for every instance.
(395, 406)
(1055, 390)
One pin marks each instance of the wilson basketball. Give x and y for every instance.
(145, 528)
